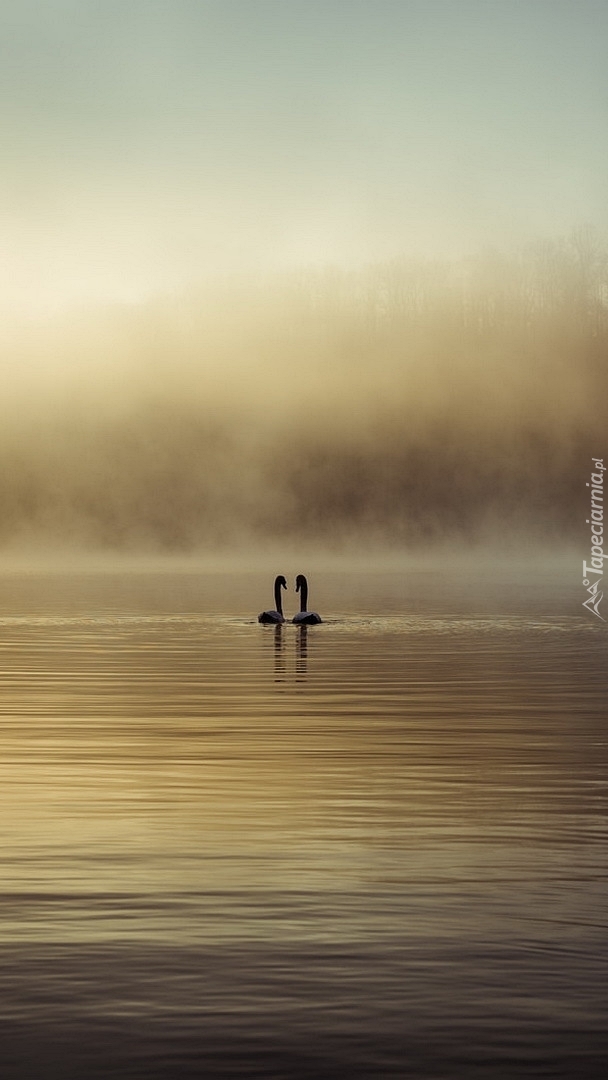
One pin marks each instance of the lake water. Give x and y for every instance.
(371, 848)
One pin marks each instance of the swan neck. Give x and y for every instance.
(277, 597)
(303, 595)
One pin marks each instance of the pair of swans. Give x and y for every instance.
(303, 617)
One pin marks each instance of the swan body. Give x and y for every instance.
(275, 616)
(304, 617)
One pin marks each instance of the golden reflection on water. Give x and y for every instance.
(194, 779)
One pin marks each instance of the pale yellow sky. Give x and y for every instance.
(150, 144)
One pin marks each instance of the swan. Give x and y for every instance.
(304, 616)
(275, 616)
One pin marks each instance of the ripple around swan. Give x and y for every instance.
(454, 624)
(341, 622)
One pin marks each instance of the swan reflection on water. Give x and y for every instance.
(279, 651)
(301, 652)
(279, 654)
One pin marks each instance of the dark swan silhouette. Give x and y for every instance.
(275, 616)
(304, 617)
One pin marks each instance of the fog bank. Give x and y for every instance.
(404, 404)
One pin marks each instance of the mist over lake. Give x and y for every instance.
(406, 403)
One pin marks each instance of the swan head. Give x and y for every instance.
(301, 582)
(280, 582)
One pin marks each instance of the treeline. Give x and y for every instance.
(549, 288)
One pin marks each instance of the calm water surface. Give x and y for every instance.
(372, 848)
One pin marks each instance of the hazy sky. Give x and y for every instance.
(149, 143)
